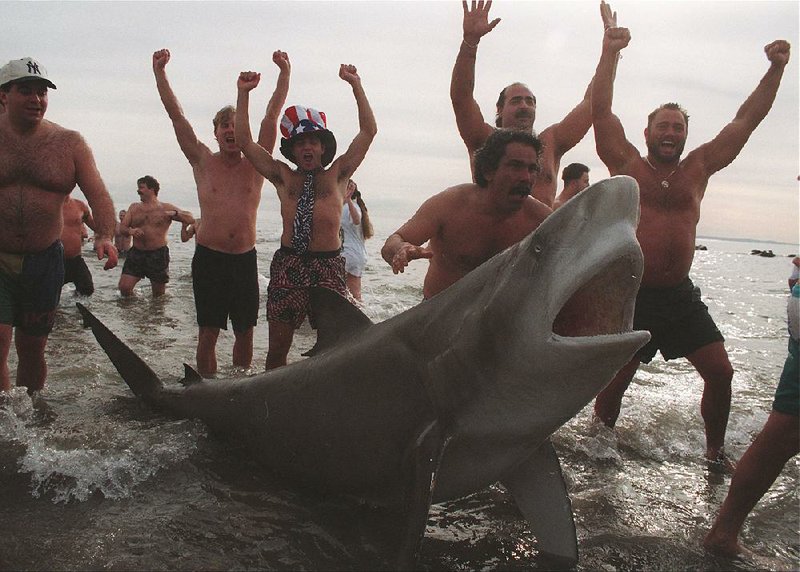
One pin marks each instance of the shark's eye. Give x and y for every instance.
(537, 249)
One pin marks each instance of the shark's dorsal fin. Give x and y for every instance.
(336, 319)
(190, 375)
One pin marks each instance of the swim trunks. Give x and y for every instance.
(291, 275)
(225, 285)
(787, 395)
(353, 249)
(76, 271)
(677, 319)
(152, 264)
(30, 289)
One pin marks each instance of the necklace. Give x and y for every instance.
(664, 181)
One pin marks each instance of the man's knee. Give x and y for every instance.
(207, 336)
(126, 284)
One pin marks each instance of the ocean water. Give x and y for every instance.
(92, 479)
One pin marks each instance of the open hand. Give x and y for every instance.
(476, 20)
(406, 254)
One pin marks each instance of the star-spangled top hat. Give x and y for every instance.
(298, 120)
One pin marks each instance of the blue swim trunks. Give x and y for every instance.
(30, 289)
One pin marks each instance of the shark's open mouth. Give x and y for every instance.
(603, 304)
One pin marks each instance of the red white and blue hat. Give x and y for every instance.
(298, 120)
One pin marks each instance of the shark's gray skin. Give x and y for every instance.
(455, 394)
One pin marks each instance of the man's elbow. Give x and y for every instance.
(370, 130)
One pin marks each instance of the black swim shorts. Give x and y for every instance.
(76, 271)
(30, 289)
(225, 285)
(152, 264)
(677, 319)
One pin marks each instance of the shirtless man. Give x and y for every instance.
(516, 107)
(122, 241)
(40, 164)
(671, 190)
(469, 223)
(311, 198)
(147, 223)
(224, 270)
(576, 178)
(77, 216)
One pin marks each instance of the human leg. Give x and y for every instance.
(609, 401)
(5, 345)
(31, 367)
(127, 283)
(243, 348)
(207, 350)
(712, 363)
(81, 277)
(281, 335)
(354, 286)
(755, 473)
(158, 288)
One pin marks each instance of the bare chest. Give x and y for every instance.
(468, 243)
(232, 187)
(42, 162)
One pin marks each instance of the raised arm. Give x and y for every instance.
(569, 131)
(348, 162)
(268, 132)
(612, 146)
(187, 140)
(255, 153)
(471, 125)
(720, 151)
(94, 189)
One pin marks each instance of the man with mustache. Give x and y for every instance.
(671, 189)
(469, 223)
(516, 106)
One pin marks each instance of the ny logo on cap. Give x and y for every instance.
(33, 67)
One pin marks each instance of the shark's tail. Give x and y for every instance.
(137, 374)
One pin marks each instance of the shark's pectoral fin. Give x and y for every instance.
(424, 458)
(539, 490)
(336, 319)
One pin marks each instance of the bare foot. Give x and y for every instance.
(719, 462)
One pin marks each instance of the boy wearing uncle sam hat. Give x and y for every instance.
(311, 199)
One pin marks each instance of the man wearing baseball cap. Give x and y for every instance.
(40, 165)
(311, 198)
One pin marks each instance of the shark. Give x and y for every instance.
(457, 393)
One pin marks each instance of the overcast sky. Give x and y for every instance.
(708, 56)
